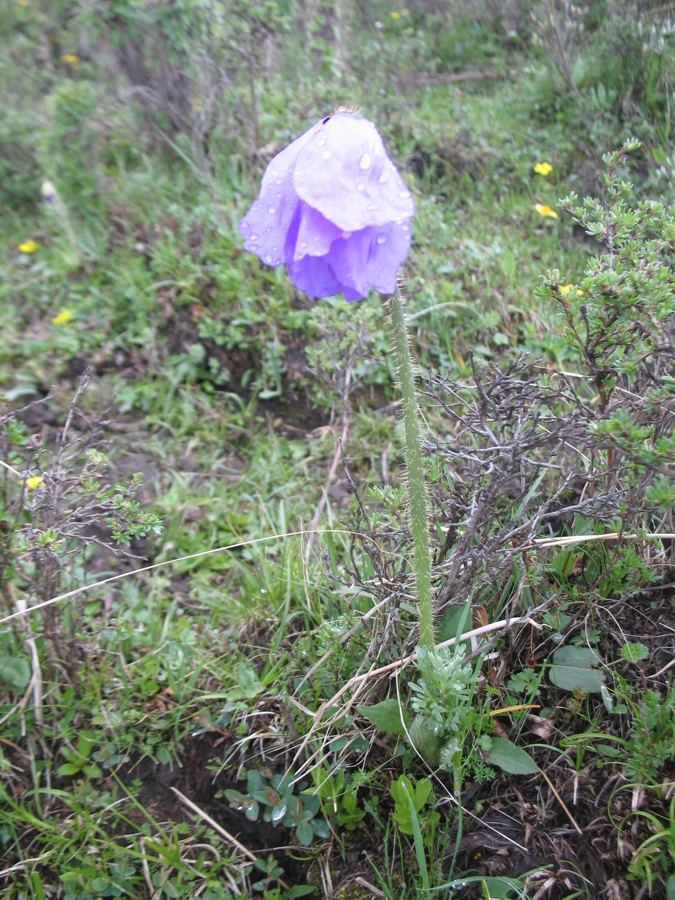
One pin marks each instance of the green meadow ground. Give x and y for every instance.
(191, 723)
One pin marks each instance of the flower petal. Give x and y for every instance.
(266, 224)
(344, 172)
(349, 260)
(389, 247)
(315, 234)
(314, 276)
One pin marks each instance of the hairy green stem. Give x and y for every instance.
(417, 486)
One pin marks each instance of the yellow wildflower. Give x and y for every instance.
(64, 316)
(545, 210)
(405, 12)
(28, 247)
(22, 2)
(395, 15)
(33, 482)
(543, 168)
(566, 288)
(70, 59)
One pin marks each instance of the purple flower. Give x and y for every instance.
(48, 191)
(334, 209)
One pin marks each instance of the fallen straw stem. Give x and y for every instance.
(417, 486)
(566, 540)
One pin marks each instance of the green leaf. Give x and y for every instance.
(396, 788)
(268, 796)
(634, 651)
(577, 657)
(305, 833)
(301, 890)
(455, 619)
(501, 888)
(15, 670)
(571, 670)
(514, 760)
(68, 769)
(508, 263)
(243, 803)
(387, 716)
(670, 888)
(609, 750)
(425, 741)
(321, 829)
(279, 813)
(422, 791)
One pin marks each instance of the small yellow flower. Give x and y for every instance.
(395, 15)
(543, 168)
(579, 292)
(70, 59)
(565, 288)
(197, 106)
(545, 210)
(64, 316)
(22, 2)
(33, 482)
(28, 247)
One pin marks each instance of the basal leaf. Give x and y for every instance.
(387, 716)
(634, 651)
(571, 670)
(15, 670)
(514, 760)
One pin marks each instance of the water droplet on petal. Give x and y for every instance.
(244, 226)
(373, 206)
(381, 239)
(267, 230)
(326, 154)
(322, 142)
(278, 180)
(365, 161)
(384, 178)
(274, 249)
(277, 262)
(271, 210)
(254, 237)
(268, 259)
(253, 247)
(405, 226)
(303, 244)
(404, 194)
(360, 187)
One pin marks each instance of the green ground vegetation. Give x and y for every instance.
(208, 685)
